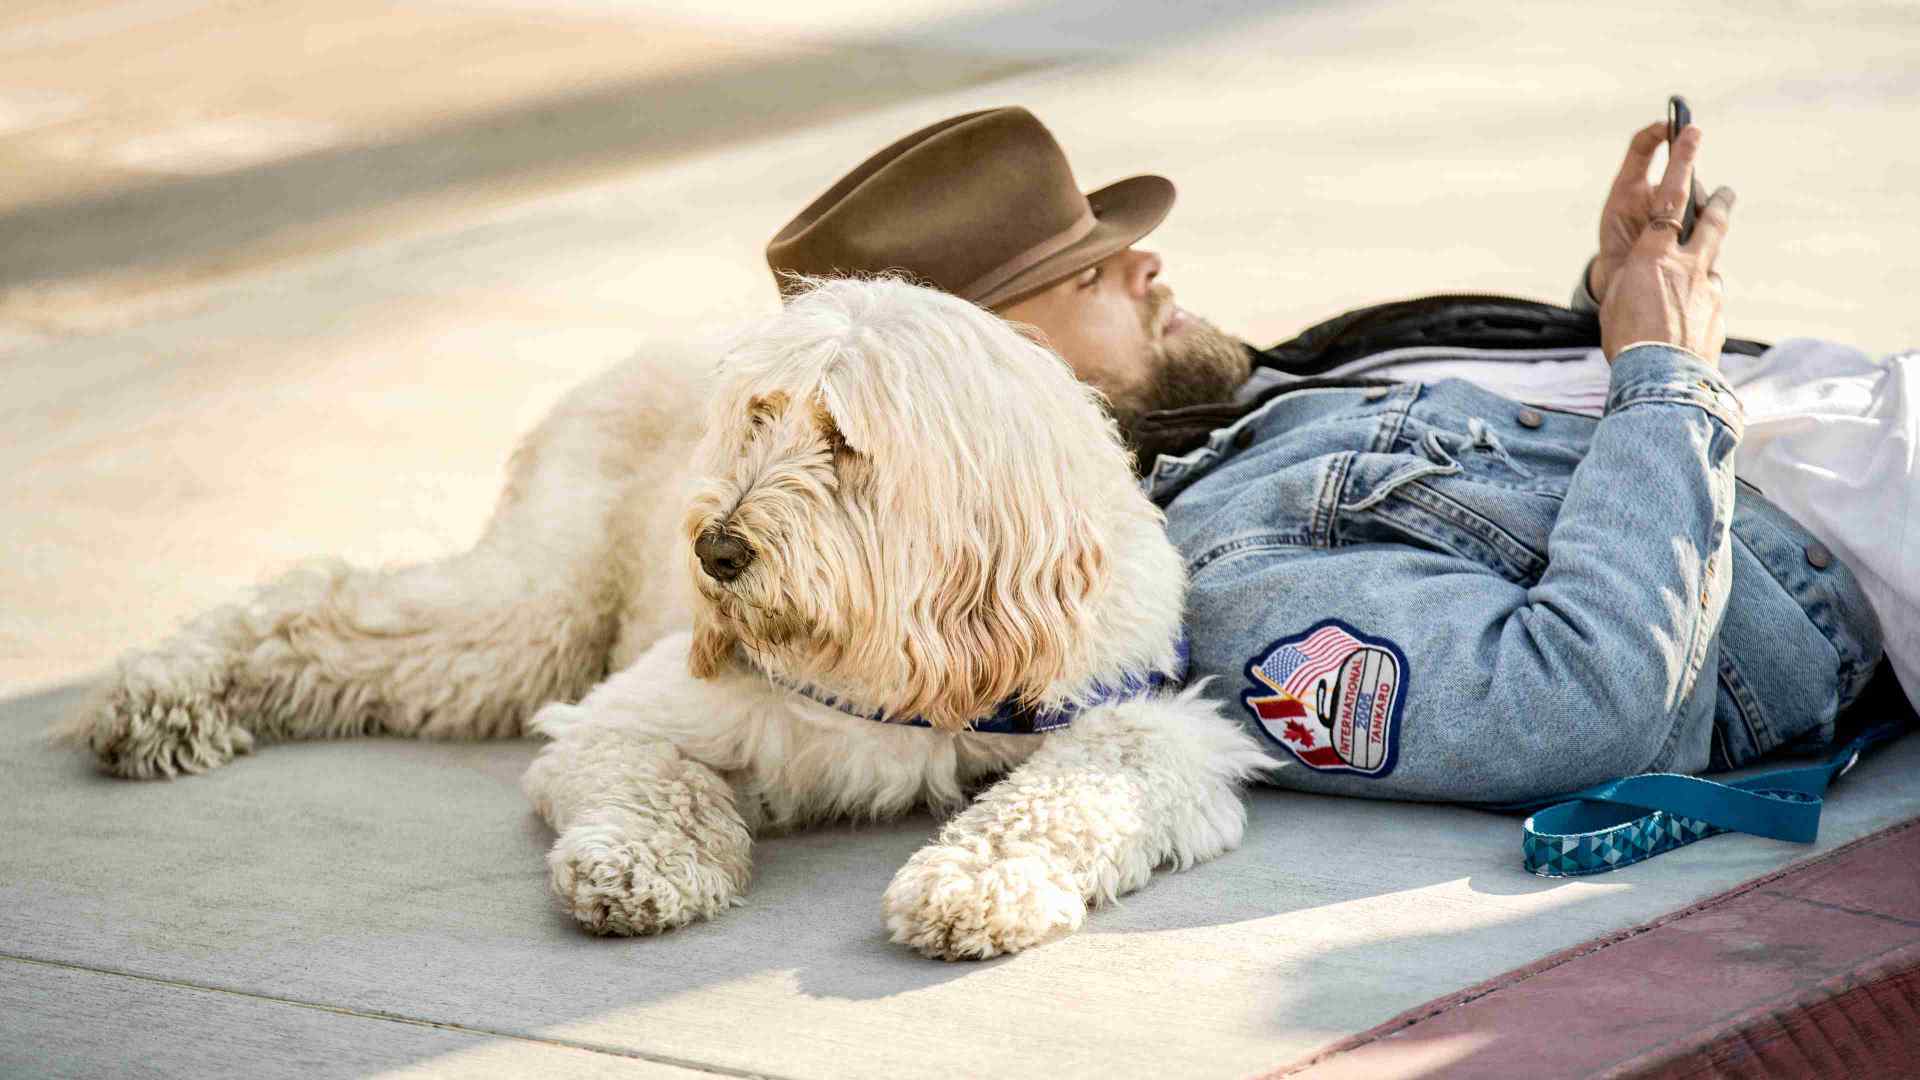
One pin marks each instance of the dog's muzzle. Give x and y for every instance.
(722, 555)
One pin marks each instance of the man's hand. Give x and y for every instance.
(1629, 202)
(1657, 289)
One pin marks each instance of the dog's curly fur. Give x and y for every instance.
(940, 518)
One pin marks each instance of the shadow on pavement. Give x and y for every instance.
(201, 221)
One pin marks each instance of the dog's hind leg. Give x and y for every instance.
(1123, 790)
(468, 646)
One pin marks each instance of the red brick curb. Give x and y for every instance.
(1813, 970)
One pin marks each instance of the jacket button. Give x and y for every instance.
(1530, 419)
(1818, 556)
(1243, 438)
(1379, 392)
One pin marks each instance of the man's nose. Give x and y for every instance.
(1142, 268)
(722, 555)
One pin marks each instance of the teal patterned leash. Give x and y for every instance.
(1630, 820)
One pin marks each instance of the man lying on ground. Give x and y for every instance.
(1460, 548)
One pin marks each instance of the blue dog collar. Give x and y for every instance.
(1012, 718)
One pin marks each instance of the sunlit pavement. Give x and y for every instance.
(285, 279)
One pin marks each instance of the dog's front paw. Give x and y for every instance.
(956, 902)
(624, 874)
(161, 715)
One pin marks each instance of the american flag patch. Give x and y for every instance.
(1332, 697)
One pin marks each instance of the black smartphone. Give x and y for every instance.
(1678, 117)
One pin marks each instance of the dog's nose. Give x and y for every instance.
(722, 555)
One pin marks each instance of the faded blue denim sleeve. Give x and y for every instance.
(1509, 692)
(1635, 582)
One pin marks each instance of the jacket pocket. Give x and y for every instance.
(1403, 500)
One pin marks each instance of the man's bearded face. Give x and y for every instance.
(1188, 361)
(1116, 325)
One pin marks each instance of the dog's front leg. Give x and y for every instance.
(1086, 819)
(649, 839)
(651, 833)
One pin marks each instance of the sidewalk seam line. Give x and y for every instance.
(1827, 905)
(414, 1021)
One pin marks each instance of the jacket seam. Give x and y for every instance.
(1759, 731)
(1326, 507)
(1437, 542)
(1395, 422)
(1844, 666)
(1239, 544)
(1705, 632)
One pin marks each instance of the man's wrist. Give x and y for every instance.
(1682, 349)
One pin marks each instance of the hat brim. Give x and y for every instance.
(1123, 213)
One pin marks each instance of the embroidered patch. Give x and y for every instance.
(1332, 696)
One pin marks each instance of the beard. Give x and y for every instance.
(1200, 365)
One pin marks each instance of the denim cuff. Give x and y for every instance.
(1649, 372)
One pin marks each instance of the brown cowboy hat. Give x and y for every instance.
(982, 206)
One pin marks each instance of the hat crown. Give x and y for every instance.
(977, 205)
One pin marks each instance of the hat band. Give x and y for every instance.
(1031, 257)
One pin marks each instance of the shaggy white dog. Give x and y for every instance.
(905, 520)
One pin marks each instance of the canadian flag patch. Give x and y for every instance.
(1332, 697)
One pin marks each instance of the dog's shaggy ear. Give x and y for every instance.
(827, 426)
(1010, 609)
(839, 423)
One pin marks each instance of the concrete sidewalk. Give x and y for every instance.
(374, 906)
(329, 347)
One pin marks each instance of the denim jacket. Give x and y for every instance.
(1428, 591)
